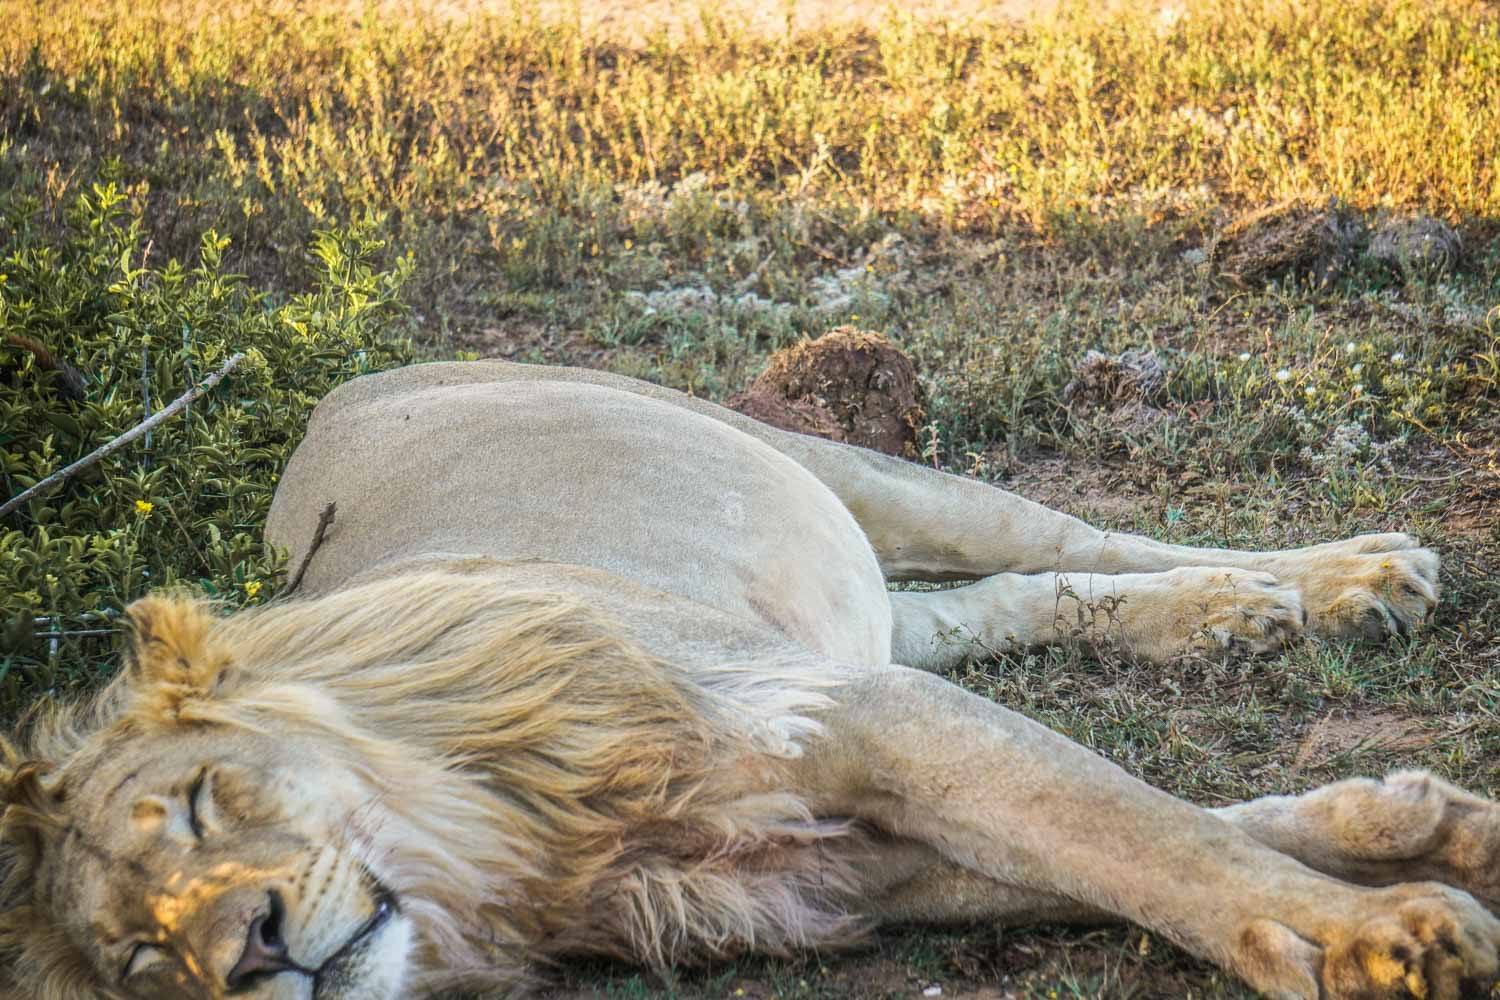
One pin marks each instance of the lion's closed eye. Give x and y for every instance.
(143, 957)
(199, 800)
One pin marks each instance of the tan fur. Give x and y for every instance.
(591, 667)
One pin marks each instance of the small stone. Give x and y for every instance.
(1419, 244)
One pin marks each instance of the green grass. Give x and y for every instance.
(998, 199)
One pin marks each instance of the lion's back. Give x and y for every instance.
(582, 473)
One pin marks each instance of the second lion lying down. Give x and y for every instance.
(592, 667)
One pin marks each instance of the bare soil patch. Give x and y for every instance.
(519, 338)
(1340, 733)
(1094, 491)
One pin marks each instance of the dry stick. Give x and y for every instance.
(325, 518)
(159, 417)
(146, 399)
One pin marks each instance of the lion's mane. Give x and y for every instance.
(552, 788)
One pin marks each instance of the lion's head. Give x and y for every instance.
(414, 783)
(169, 856)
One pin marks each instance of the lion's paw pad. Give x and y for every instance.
(1439, 946)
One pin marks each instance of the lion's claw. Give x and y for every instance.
(1370, 587)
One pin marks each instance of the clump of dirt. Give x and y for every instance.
(1417, 244)
(1115, 381)
(848, 385)
(1121, 387)
(1288, 238)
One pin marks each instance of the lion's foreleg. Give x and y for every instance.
(1155, 615)
(906, 880)
(1000, 795)
(1410, 826)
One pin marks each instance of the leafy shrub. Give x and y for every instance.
(186, 504)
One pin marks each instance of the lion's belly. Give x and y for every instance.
(591, 476)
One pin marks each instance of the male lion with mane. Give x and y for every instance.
(586, 666)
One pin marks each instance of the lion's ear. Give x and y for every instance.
(27, 801)
(174, 659)
(31, 813)
(33, 822)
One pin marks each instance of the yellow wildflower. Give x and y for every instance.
(252, 587)
(144, 507)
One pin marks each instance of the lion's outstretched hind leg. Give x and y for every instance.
(929, 525)
(932, 526)
(992, 792)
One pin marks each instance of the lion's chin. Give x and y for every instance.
(375, 969)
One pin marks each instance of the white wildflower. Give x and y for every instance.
(1283, 375)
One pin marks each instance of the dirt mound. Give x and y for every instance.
(848, 385)
(1291, 237)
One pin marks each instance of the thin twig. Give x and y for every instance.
(325, 518)
(1436, 479)
(146, 401)
(187, 362)
(159, 417)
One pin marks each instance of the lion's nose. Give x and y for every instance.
(265, 952)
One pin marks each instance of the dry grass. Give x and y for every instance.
(1000, 199)
(515, 155)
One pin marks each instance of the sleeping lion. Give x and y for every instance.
(586, 666)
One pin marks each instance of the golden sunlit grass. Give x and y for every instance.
(1384, 102)
(493, 135)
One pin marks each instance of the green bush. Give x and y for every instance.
(186, 504)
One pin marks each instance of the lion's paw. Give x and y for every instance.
(1217, 610)
(1365, 588)
(1463, 847)
(1434, 944)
